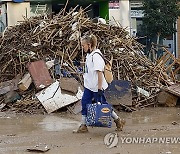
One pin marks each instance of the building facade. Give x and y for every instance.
(9, 14)
(129, 13)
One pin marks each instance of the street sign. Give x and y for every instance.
(137, 13)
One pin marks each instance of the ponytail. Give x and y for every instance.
(92, 39)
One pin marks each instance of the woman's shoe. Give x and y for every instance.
(82, 129)
(119, 124)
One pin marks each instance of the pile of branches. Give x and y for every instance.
(59, 36)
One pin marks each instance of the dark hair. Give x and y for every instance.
(92, 39)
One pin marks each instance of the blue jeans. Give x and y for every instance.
(87, 97)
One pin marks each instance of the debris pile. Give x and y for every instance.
(52, 42)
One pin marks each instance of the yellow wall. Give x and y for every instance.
(16, 11)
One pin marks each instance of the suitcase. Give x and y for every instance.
(99, 115)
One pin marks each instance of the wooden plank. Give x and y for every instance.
(173, 89)
(10, 85)
(11, 96)
(76, 108)
(39, 148)
(69, 84)
(167, 99)
(25, 82)
(2, 105)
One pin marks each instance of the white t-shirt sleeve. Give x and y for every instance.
(98, 62)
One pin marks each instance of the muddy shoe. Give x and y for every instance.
(119, 124)
(82, 129)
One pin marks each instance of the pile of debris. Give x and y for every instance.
(52, 42)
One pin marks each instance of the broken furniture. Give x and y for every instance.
(170, 64)
(53, 98)
(40, 74)
(10, 85)
(119, 92)
(69, 84)
(167, 99)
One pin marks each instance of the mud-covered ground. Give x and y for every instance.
(19, 132)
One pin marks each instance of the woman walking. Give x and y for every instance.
(94, 82)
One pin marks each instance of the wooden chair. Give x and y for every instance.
(174, 67)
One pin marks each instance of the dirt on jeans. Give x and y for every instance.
(19, 132)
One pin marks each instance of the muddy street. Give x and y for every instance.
(20, 132)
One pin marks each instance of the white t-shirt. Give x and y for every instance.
(94, 63)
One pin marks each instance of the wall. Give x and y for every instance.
(125, 14)
(104, 10)
(3, 17)
(114, 16)
(133, 27)
(121, 13)
(16, 11)
(178, 38)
